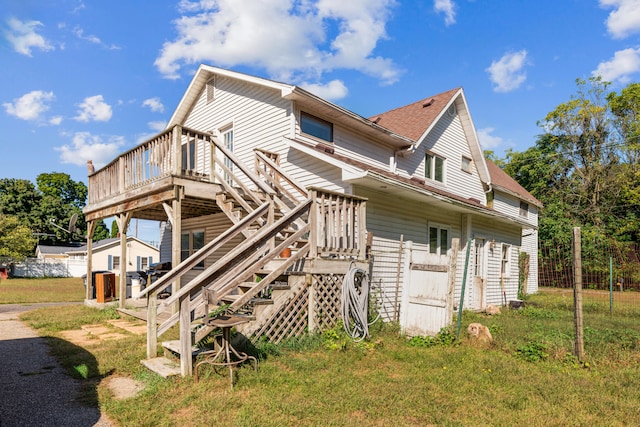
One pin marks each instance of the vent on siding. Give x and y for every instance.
(211, 89)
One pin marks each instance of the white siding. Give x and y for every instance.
(510, 205)
(391, 220)
(447, 139)
(530, 246)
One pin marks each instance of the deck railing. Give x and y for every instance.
(177, 151)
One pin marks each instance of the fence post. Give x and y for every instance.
(577, 294)
(610, 285)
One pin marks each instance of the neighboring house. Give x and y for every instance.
(107, 255)
(249, 166)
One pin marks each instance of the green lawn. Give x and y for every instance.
(13, 291)
(528, 376)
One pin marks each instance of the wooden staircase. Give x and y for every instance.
(273, 214)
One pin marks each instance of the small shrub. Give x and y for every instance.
(532, 352)
(446, 336)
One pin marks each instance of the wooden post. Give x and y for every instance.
(396, 307)
(152, 324)
(453, 264)
(123, 223)
(577, 294)
(91, 228)
(186, 363)
(313, 219)
(312, 301)
(176, 236)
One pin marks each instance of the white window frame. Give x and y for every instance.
(466, 164)
(318, 121)
(430, 163)
(439, 228)
(115, 262)
(227, 136)
(524, 209)
(505, 260)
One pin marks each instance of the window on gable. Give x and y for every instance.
(191, 242)
(438, 240)
(524, 209)
(465, 164)
(211, 90)
(434, 167)
(314, 126)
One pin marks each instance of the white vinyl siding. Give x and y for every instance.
(392, 220)
(447, 140)
(510, 205)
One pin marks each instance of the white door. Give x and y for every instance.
(426, 301)
(479, 274)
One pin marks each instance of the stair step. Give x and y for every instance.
(174, 348)
(162, 366)
(255, 301)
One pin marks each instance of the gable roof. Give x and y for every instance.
(414, 119)
(502, 181)
(107, 243)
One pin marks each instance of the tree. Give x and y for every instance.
(114, 229)
(16, 240)
(18, 197)
(101, 232)
(61, 198)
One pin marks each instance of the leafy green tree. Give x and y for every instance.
(19, 197)
(62, 197)
(114, 229)
(101, 232)
(16, 239)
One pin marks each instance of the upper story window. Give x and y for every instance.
(465, 164)
(314, 126)
(434, 167)
(524, 209)
(211, 90)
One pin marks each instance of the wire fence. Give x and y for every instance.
(610, 270)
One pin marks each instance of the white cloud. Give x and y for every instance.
(448, 8)
(332, 91)
(23, 36)
(56, 120)
(292, 40)
(624, 20)
(94, 108)
(86, 146)
(157, 126)
(620, 67)
(30, 106)
(154, 104)
(79, 32)
(507, 73)
(488, 141)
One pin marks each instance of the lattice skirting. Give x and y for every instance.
(293, 319)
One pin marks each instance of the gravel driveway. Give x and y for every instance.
(34, 388)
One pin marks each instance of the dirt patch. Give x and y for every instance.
(123, 387)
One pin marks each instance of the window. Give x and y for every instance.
(490, 199)
(465, 164)
(524, 209)
(115, 263)
(314, 126)
(211, 88)
(438, 240)
(191, 242)
(144, 263)
(505, 264)
(434, 167)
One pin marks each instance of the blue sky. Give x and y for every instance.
(86, 79)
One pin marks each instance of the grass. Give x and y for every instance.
(18, 291)
(527, 376)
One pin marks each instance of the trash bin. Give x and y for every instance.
(105, 287)
(135, 287)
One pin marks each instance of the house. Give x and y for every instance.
(106, 255)
(248, 167)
